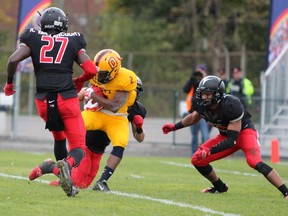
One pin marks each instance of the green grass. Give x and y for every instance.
(142, 186)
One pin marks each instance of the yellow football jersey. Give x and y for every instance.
(125, 80)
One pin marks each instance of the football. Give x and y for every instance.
(92, 106)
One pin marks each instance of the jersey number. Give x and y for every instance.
(48, 47)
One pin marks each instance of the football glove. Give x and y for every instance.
(166, 128)
(202, 152)
(9, 89)
(138, 121)
(90, 90)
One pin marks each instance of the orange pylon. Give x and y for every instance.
(275, 151)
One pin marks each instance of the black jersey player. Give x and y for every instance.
(236, 132)
(53, 52)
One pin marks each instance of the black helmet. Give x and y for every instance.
(139, 89)
(54, 18)
(210, 84)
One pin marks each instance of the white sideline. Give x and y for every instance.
(163, 201)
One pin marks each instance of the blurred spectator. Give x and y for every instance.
(190, 88)
(221, 73)
(240, 87)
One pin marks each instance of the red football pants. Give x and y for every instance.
(83, 175)
(247, 142)
(70, 112)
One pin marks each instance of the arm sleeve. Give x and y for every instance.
(226, 143)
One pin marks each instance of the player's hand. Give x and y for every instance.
(138, 121)
(90, 90)
(166, 128)
(9, 89)
(202, 152)
(78, 83)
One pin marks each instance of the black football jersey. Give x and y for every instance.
(53, 57)
(229, 109)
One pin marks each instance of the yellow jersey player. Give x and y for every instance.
(118, 84)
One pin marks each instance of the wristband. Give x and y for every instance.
(139, 130)
(10, 80)
(179, 125)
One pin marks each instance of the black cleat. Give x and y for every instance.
(214, 190)
(101, 186)
(65, 178)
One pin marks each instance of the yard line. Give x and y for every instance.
(23, 178)
(170, 202)
(218, 170)
(118, 193)
(136, 176)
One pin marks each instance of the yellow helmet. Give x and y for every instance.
(109, 63)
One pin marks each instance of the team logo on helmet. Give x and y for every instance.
(113, 62)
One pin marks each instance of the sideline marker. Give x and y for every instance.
(274, 151)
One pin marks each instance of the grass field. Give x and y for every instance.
(141, 186)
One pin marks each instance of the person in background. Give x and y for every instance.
(190, 88)
(221, 73)
(241, 87)
(236, 132)
(53, 52)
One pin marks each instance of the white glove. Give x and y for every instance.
(87, 94)
(92, 106)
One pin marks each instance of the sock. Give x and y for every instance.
(106, 174)
(60, 149)
(283, 189)
(219, 185)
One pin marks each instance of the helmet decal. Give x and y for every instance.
(112, 62)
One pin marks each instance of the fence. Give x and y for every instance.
(274, 106)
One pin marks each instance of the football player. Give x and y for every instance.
(236, 132)
(118, 85)
(53, 52)
(96, 142)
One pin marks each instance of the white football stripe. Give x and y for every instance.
(163, 201)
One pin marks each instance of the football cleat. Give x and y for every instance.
(286, 196)
(101, 186)
(214, 190)
(45, 167)
(65, 179)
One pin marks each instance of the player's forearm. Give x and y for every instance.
(11, 68)
(113, 105)
(139, 135)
